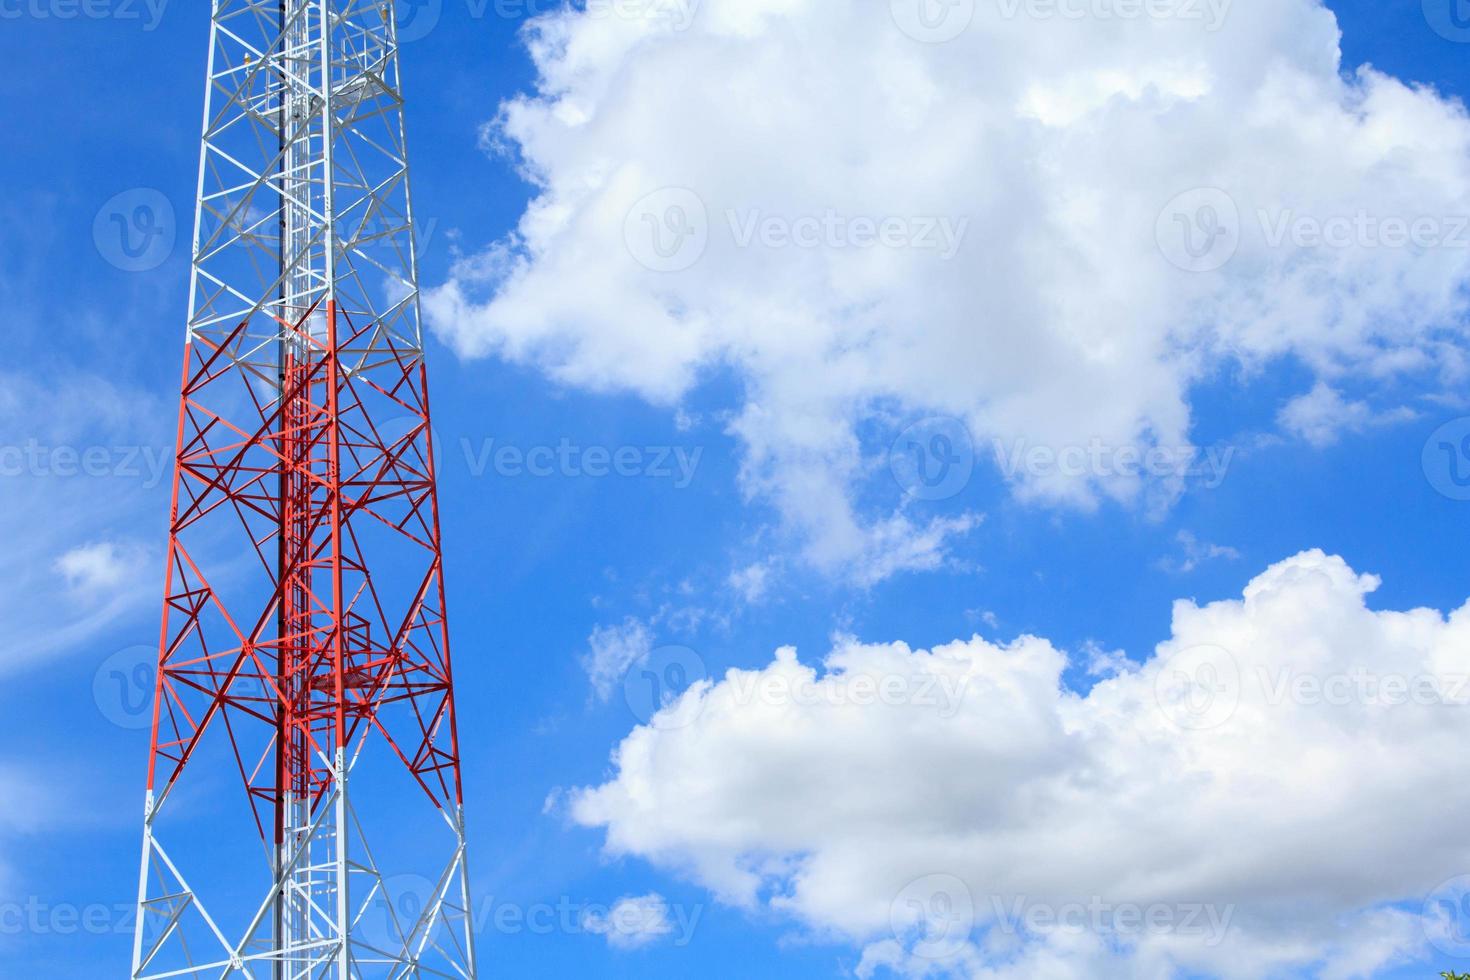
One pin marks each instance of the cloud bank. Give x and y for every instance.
(1046, 221)
(1279, 787)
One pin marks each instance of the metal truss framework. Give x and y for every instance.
(304, 631)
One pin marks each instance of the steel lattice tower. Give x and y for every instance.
(304, 643)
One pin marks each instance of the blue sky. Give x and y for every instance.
(544, 570)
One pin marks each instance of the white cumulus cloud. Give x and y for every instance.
(1279, 787)
(1048, 227)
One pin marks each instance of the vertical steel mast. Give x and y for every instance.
(304, 644)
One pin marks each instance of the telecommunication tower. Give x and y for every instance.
(304, 700)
